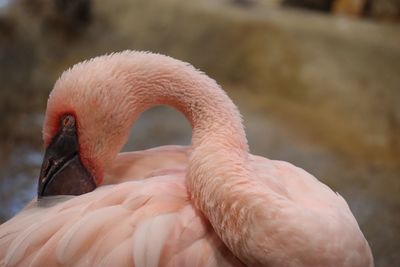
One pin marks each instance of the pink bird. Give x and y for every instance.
(210, 204)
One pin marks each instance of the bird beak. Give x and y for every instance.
(62, 171)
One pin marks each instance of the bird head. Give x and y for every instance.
(87, 122)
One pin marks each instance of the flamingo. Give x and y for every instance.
(208, 204)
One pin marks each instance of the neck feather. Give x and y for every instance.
(213, 116)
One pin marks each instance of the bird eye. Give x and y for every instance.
(68, 121)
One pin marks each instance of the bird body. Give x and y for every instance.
(133, 220)
(209, 204)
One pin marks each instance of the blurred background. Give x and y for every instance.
(318, 83)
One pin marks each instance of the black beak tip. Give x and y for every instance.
(62, 171)
(71, 179)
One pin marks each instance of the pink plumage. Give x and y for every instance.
(209, 204)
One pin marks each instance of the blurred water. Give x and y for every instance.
(18, 174)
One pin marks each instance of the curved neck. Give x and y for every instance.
(218, 165)
(214, 118)
(108, 93)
